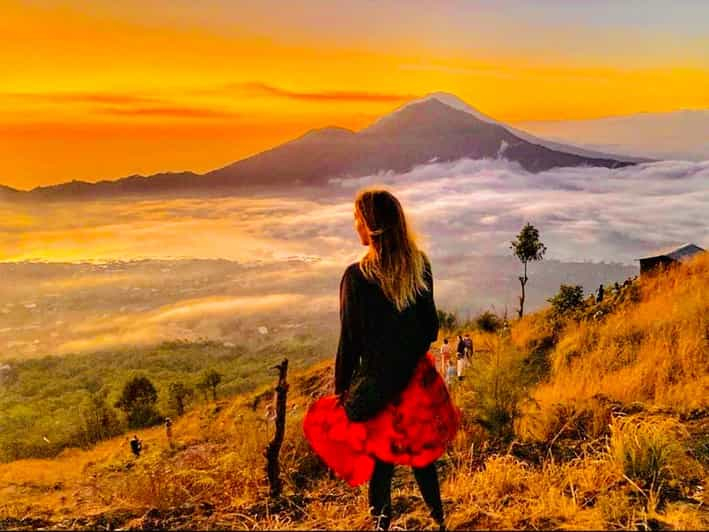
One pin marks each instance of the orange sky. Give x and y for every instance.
(99, 90)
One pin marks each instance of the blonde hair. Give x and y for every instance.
(393, 259)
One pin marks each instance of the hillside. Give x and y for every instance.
(593, 418)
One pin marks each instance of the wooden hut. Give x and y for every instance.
(668, 257)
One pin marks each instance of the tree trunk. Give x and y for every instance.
(273, 468)
(523, 282)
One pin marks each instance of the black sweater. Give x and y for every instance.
(379, 346)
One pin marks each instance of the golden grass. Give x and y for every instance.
(624, 471)
(655, 352)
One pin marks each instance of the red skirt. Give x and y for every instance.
(413, 432)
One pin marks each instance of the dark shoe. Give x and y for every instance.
(381, 521)
(437, 516)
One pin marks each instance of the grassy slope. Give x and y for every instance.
(614, 436)
(46, 397)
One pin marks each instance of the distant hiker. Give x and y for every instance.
(599, 294)
(391, 404)
(168, 429)
(468, 342)
(445, 356)
(450, 373)
(460, 355)
(136, 445)
(616, 289)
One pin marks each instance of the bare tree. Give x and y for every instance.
(273, 469)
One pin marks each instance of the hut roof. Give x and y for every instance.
(680, 253)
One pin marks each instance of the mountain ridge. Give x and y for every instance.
(439, 127)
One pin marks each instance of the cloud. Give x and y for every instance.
(582, 212)
(259, 88)
(475, 206)
(461, 71)
(83, 97)
(186, 310)
(167, 112)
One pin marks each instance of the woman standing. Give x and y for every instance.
(391, 405)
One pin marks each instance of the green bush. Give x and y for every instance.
(138, 402)
(488, 322)
(447, 320)
(567, 300)
(100, 421)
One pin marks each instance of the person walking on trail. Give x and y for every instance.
(460, 357)
(599, 294)
(450, 373)
(468, 341)
(136, 445)
(391, 406)
(445, 355)
(168, 430)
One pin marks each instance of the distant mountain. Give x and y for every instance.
(437, 128)
(7, 193)
(457, 103)
(678, 135)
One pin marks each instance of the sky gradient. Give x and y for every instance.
(98, 90)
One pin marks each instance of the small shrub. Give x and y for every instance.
(648, 453)
(500, 385)
(567, 300)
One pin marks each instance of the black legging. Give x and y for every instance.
(380, 492)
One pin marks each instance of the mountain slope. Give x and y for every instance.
(8, 193)
(635, 456)
(455, 102)
(437, 128)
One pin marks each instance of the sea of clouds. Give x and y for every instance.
(468, 206)
(288, 251)
(583, 213)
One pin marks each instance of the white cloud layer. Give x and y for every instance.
(291, 251)
(468, 206)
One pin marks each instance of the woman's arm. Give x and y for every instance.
(349, 346)
(431, 315)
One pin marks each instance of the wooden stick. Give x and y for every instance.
(273, 468)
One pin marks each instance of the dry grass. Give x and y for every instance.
(655, 352)
(608, 444)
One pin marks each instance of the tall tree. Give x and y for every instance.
(527, 248)
(179, 393)
(138, 402)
